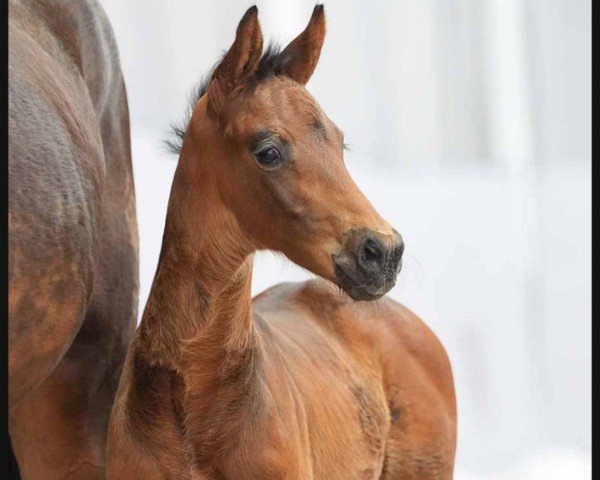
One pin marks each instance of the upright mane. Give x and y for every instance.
(271, 64)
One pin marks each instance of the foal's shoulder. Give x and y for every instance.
(385, 327)
(385, 324)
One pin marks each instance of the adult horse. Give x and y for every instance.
(73, 248)
(303, 382)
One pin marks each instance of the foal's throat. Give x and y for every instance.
(200, 302)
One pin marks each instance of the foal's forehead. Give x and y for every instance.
(281, 99)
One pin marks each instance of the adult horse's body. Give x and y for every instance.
(302, 382)
(73, 262)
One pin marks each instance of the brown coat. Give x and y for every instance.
(303, 382)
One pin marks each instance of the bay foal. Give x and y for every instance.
(301, 382)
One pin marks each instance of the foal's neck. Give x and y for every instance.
(200, 301)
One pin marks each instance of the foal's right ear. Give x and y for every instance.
(239, 63)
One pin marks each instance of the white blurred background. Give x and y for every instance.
(469, 123)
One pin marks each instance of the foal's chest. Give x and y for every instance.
(341, 435)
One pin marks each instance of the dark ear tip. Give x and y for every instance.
(251, 12)
(249, 19)
(318, 14)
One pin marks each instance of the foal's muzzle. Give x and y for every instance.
(369, 263)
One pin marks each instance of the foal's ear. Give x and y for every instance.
(301, 56)
(240, 62)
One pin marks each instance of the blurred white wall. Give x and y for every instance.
(470, 124)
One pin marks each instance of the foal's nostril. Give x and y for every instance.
(371, 255)
(372, 252)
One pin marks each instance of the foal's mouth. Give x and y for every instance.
(358, 290)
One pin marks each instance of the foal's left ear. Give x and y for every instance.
(300, 57)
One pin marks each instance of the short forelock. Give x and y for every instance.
(271, 64)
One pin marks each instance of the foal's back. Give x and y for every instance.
(376, 382)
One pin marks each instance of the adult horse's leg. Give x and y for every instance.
(60, 429)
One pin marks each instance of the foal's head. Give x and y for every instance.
(278, 162)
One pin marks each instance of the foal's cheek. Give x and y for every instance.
(238, 184)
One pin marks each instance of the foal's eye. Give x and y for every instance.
(268, 156)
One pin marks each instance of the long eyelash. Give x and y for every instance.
(347, 146)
